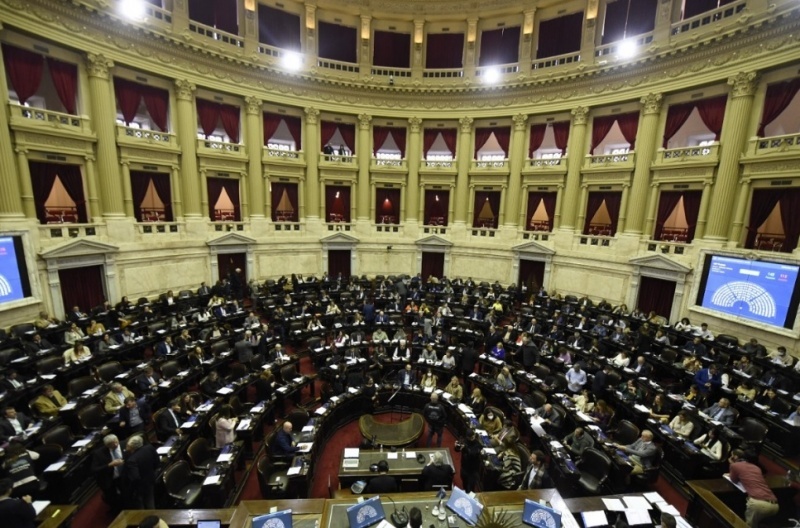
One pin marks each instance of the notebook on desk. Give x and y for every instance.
(366, 513)
(540, 516)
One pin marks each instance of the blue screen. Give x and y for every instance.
(10, 277)
(756, 290)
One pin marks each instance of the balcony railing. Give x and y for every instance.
(709, 17)
(391, 72)
(558, 60)
(478, 231)
(667, 247)
(71, 231)
(283, 154)
(157, 14)
(444, 73)
(380, 163)
(611, 159)
(612, 48)
(545, 162)
(226, 225)
(147, 136)
(335, 65)
(773, 144)
(220, 146)
(271, 51)
(686, 154)
(500, 68)
(49, 117)
(341, 159)
(339, 226)
(595, 241)
(281, 225)
(216, 34)
(490, 164)
(439, 164)
(155, 228)
(769, 242)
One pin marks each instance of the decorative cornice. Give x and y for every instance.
(98, 65)
(580, 115)
(651, 103)
(743, 84)
(184, 90)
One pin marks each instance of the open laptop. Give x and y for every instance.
(280, 519)
(464, 506)
(539, 516)
(366, 513)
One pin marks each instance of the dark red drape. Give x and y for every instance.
(43, 175)
(641, 17)
(337, 205)
(537, 136)
(391, 50)
(503, 136)
(536, 197)
(695, 7)
(667, 201)
(379, 135)
(82, 287)
(157, 102)
(450, 137)
(601, 126)
(229, 115)
(291, 193)
(295, 129)
(278, 28)
(615, 20)
(712, 112)
(129, 97)
(24, 70)
(481, 198)
(337, 42)
(561, 35)
(215, 186)
(444, 50)
(70, 176)
(656, 295)
(432, 265)
(676, 117)
(387, 206)
(139, 183)
(790, 204)
(399, 136)
(208, 114)
(561, 134)
(428, 139)
(499, 46)
(348, 133)
(629, 125)
(162, 184)
(482, 135)
(326, 132)
(691, 205)
(271, 124)
(595, 200)
(764, 201)
(437, 203)
(613, 201)
(65, 80)
(339, 263)
(779, 96)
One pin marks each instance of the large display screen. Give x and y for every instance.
(14, 284)
(754, 289)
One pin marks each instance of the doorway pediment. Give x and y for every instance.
(340, 239)
(533, 248)
(659, 262)
(434, 240)
(231, 239)
(79, 248)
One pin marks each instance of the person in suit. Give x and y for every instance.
(11, 381)
(140, 474)
(148, 380)
(578, 441)
(722, 412)
(244, 348)
(106, 466)
(407, 377)
(642, 452)
(211, 384)
(436, 473)
(18, 513)
(13, 423)
(49, 402)
(642, 368)
(284, 445)
(168, 422)
(132, 417)
(383, 483)
(114, 399)
(164, 348)
(37, 344)
(552, 418)
(536, 476)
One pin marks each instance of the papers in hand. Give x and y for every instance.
(304, 447)
(163, 450)
(210, 481)
(187, 425)
(594, 518)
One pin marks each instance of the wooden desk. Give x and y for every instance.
(401, 467)
(717, 502)
(305, 512)
(173, 518)
(55, 515)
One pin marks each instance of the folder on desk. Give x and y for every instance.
(365, 513)
(465, 506)
(282, 519)
(540, 516)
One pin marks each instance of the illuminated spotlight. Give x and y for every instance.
(491, 75)
(627, 49)
(133, 9)
(292, 60)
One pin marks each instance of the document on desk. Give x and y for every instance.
(321, 410)
(244, 425)
(211, 481)
(653, 497)
(636, 503)
(636, 517)
(307, 429)
(738, 485)
(351, 452)
(613, 505)
(225, 457)
(391, 456)
(39, 506)
(294, 470)
(667, 508)
(225, 390)
(304, 447)
(164, 450)
(594, 518)
(411, 454)
(641, 408)
(69, 406)
(585, 417)
(82, 442)
(55, 466)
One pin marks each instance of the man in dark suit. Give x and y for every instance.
(600, 382)
(284, 445)
(642, 368)
(11, 381)
(148, 380)
(383, 483)
(106, 466)
(18, 513)
(211, 384)
(536, 476)
(244, 348)
(529, 352)
(164, 348)
(13, 423)
(407, 377)
(140, 474)
(437, 473)
(168, 422)
(37, 344)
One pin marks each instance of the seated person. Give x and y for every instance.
(407, 377)
(436, 473)
(506, 380)
(37, 344)
(642, 452)
(132, 417)
(429, 380)
(429, 354)
(169, 421)
(660, 409)
(477, 402)
(601, 414)
(772, 402)
(449, 360)
(551, 417)
(115, 398)
(578, 441)
(630, 392)
(711, 444)
(401, 351)
(490, 422)
(211, 384)
(73, 335)
(722, 412)
(454, 389)
(383, 483)
(95, 328)
(45, 321)
(13, 424)
(148, 380)
(379, 335)
(621, 360)
(745, 391)
(284, 445)
(507, 431)
(49, 402)
(682, 425)
(12, 381)
(78, 352)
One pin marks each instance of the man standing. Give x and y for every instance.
(576, 378)
(140, 474)
(434, 414)
(168, 423)
(761, 502)
(107, 469)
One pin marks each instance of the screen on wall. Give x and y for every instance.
(14, 284)
(754, 289)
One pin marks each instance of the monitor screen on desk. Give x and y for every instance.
(209, 524)
(464, 506)
(366, 513)
(538, 516)
(281, 519)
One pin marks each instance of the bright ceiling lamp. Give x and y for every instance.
(491, 75)
(292, 61)
(133, 9)
(627, 49)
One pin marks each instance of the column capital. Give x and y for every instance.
(184, 89)
(364, 121)
(520, 120)
(253, 105)
(580, 114)
(21, 150)
(98, 65)
(414, 124)
(466, 124)
(312, 115)
(655, 185)
(743, 84)
(651, 103)
(125, 162)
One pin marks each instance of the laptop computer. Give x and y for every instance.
(366, 513)
(464, 506)
(280, 519)
(539, 516)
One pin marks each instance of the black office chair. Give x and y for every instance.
(594, 468)
(541, 371)
(48, 365)
(20, 330)
(272, 478)
(78, 386)
(626, 433)
(288, 373)
(92, 417)
(59, 435)
(298, 418)
(8, 355)
(753, 433)
(201, 454)
(237, 371)
(182, 485)
(108, 371)
(170, 369)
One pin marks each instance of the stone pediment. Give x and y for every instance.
(533, 248)
(79, 248)
(339, 238)
(231, 239)
(659, 262)
(434, 240)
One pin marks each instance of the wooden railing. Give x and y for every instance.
(557, 60)
(709, 17)
(216, 34)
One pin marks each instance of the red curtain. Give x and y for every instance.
(481, 198)
(24, 70)
(339, 263)
(482, 135)
(656, 295)
(215, 186)
(561, 35)
(387, 206)
(613, 201)
(790, 204)
(164, 189)
(628, 125)
(667, 202)
(43, 175)
(537, 137)
(712, 112)
(399, 136)
(65, 80)
(229, 115)
(139, 183)
(534, 198)
(437, 203)
(278, 28)
(561, 134)
(157, 102)
(601, 126)
(432, 265)
(291, 193)
(450, 137)
(499, 46)
(503, 136)
(327, 131)
(595, 200)
(348, 133)
(70, 176)
(764, 201)
(208, 113)
(444, 50)
(615, 20)
(779, 96)
(337, 207)
(129, 97)
(691, 205)
(428, 139)
(391, 50)
(676, 117)
(271, 124)
(379, 135)
(295, 129)
(82, 287)
(337, 42)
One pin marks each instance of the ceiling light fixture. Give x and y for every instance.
(132, 9)
(627, 49)
(491, 75)
(292, 60)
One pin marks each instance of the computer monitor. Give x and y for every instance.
(280, 519)
(539, 516)
(464, 506)
(209, 524)
(366, 513)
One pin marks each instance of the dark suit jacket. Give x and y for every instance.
(7, 430)
(433, 475)
(103, 474)
(17, 513)
(401, 376)
(166, 424)
(161, 349)
(381, 484)
(283, 444)
(143, 384)
(140, 467)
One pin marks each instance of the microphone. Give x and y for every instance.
(399, 518)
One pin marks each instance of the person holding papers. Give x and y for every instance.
(578, 441)
(642, 452)
(722, 412)
(576, 379)
(77, 353)
(285, 445)
(761, 501)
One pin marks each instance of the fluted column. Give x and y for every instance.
(187, 139)
(731, 143)
(582, 203)
(463, 154)
(364, 153)
(311, 142)
(11, 199)
(255, 146)
(559, 205)
(741, 208)
(25, 182)
(104, 116)
(127, 191)
(702, 214)
(646, 142)
(651, 209)
(577, 140)
(91, 184)
(413, 159)
(623, 207)
(177, 201)
(515, 156)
